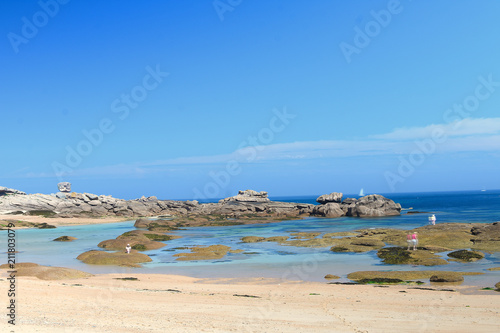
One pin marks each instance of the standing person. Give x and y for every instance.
(408, 240)
(414, 240)
(432, 219)
(128, 248)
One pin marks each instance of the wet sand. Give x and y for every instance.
(168, 303)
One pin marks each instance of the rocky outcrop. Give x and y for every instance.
(64, 187)
(132, 259)
(330, 209)
(248, 196)
(332, 197)
(368, 206)
(8, 191)
(373, 205)
(246, 203)
(46, 272)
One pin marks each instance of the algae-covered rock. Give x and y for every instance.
(340, 234)
(447, 277)
(404, 275)
(19, 265)
(211, 252)
(141, 240)
(394, 256)
(252, 239)
(494, 269)
(401, 256)
(64, 239)
(46, 272)
(95, 257)
(370, 242)
(466, 255)
(380, 281)
(331, 277)
(497, 286)
(340, 249)
(305, 235)
(278, 239)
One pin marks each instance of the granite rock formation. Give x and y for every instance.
(64, 187)
(245, 203)
(368, 206)
(332, 197)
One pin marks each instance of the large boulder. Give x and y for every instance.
(332, 197)
(64, 187)
(373, 205)
(330, 209)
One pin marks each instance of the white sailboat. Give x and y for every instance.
(361, 193)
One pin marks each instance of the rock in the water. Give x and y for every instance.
(331, 277)
(332, 197)
(373, 205)
(447, 277)
(330, 209)
(64, 239)
(7, 191)
(497, 285)
(248, 196)
(113, 258)
(466, 255)
(252, 239)
(64, 187)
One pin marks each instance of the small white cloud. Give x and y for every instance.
(467, 126)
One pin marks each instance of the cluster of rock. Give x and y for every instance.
(247, 196)
(332, 205)
(4, 191)
(73, 204)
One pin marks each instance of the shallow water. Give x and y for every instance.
(270, 259)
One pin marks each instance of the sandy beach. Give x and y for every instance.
(59, 221)
(168, 303)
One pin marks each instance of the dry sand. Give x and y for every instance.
(59, 221)
(166, 303)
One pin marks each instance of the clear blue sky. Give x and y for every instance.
(291, 97)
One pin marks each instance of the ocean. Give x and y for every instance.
(270, 259)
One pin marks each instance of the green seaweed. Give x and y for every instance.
(394, 255)
(465, 255)
(158, 238)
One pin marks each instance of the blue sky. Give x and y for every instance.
(198, 99)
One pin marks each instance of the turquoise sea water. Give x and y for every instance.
(270, 259)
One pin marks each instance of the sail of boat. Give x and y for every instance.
(361, 193)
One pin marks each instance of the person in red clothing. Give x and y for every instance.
(408, 240)
(414, 240)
